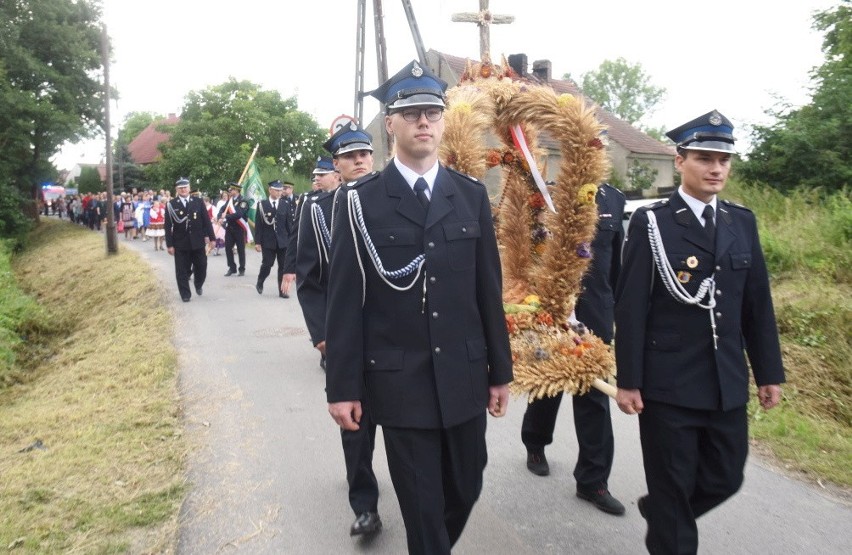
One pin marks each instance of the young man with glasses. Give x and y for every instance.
(415, 317)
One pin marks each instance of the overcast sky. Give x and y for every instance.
(737, 56)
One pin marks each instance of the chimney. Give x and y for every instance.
(542, 69)
(518, 62)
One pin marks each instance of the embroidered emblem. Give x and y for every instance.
(715, 118)
(691, 262)
(416, 71)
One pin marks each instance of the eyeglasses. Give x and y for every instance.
(412, 115)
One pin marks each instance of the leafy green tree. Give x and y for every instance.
(49, 91)
(125, 174)
(89, 180)
(623, 89)
(641, 175)
(220, 126)
(812, 146)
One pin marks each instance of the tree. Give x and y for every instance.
(623, 89)
(89, 180)
(49, 91)
(220, 126)
(134, 123)
(810, 146)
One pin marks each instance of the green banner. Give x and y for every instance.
(253, 190)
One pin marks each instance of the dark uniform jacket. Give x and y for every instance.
(290, 256)
(311, 261)
(276, 234)
(422, 362)
(664, 347)
(595, 304)
(232, 224)
(189, 234)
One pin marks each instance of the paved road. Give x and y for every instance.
(267, 470)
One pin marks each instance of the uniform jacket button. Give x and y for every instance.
(718, 315)
(718, 293)
(437, 350)
(432, 279)
(718, 268)
(435, 315)
(431, 245)
(464, 230)
(372, 362)
(392, 238)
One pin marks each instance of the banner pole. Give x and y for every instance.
(245, 170)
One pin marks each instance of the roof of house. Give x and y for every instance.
(618, 130)
(143, 149)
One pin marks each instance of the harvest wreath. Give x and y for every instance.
(544, 232)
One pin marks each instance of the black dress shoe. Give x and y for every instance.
(537, 463)
(322, 363)
(640, 504)
(198, 290)
(366, 523)
(283, 295)
(259, 288)
(602, 499)
(230, 272)
(242, 272)
(185, 299)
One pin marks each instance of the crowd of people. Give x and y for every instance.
(406, 260)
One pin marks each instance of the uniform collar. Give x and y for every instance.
(411, 176)
(696, 205)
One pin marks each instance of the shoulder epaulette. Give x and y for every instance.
(657, 205)
(735, 205)
(466, 176)
(362, 180)
(608, 186)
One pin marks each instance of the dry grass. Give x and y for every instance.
(99, 391)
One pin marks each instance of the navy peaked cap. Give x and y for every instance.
(712, 131)
(414, 85)
(348, 139)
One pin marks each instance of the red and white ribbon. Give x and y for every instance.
(521, 144)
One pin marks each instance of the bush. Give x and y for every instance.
(14, 224)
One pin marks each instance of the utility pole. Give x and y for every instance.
(111, 239)
(415, 32)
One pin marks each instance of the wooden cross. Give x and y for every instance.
(484, 19)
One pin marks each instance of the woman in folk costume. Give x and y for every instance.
(156, 226)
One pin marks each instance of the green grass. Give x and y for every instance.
(806, 237)
(96, 383)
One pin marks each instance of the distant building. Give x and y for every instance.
(74, 173)
(626, 144)
(143, 149)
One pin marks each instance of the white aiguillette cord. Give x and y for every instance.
(675, 288)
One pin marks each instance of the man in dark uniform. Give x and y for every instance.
(325, 178)
(273, 225)
(591, 411)
(353, 158)
(232, 216)
(692, 295)
(188, 230)
(415, 325)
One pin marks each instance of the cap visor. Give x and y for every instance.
(352, 147)
(713, 146)
(418, 100)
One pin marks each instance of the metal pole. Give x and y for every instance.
(360, 35)
(111, 239)
(382, 67)
(415, 31)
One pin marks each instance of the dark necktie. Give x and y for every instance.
(275, 206)
(420, 187)
(709, 224)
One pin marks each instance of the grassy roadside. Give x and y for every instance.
(806, 238)
(95, 383)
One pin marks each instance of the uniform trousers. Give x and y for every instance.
(270, 256)
(237, 238)
(694, 461)
(194, 262)
(593, 426)
(437, 475)
(358, 448)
